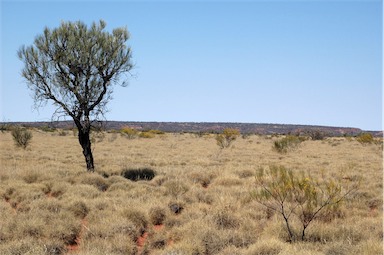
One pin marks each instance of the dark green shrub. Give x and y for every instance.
(21, 136)
(140, 174)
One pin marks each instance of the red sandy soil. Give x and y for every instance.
(73, 248)
(143, 238)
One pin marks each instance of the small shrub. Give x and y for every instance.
(97, 136)
(141, 174)
(316, 134)
(129, 133)
(146, 135)
(5, 127)
(63, 132)
(21, 136)
(289, 194)
(47, 129)
(225, 139)
(365, 138)
(156, 132)
(287, 143)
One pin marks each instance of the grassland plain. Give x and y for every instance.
(199, 202)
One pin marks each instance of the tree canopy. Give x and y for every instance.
(76, 67)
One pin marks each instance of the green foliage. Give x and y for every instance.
(287, 143)
(365, 138)
(128, 132)
(47, 129)
(75, 66)
(225, 139)
(290, 194)
(146, 134)
(156, 132)
(21, 136)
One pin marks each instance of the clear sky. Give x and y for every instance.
(288, 62)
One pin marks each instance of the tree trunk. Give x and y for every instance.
(85, 143)
(84, 132)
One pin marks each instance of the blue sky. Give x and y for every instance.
(289, 62)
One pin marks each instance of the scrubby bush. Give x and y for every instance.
(5, 127)
(47, 129)
(146, 134)
(129, 133)
(316, 134)
(140, 174)
(156, 132)
(225, 139)
(289, 194)
(365, 138)
(287, 143)
(21, 136)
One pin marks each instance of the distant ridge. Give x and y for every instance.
(213, 127)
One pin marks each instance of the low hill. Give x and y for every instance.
(211, 127)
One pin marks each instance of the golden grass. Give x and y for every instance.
(51, 205)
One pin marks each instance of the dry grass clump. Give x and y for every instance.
(79, 209)
(265, 247)
(95, 180)
(138, 217)
(157, 215)
(198, 202)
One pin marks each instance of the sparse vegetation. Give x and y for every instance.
(287, 143)
(285, 192)
(365, 138)
(128, 132)
(316, 134)
(194, 204)
(21, 136)
(225, 139)
(147, 134)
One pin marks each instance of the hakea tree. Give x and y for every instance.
(76, 67)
